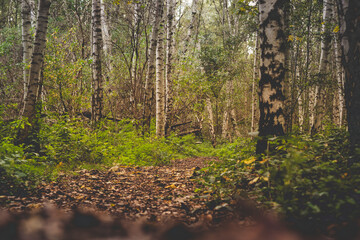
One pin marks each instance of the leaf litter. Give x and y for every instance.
(153, 193)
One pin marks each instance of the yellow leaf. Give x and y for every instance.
(254, 180)
(171, 186)
(264, 160)
(336, 29)
(290, 38)
(226, 178)
(265, 178)
(250, 160)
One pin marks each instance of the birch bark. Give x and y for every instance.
(29, 110)
(272, 69)
(160, 83)
(350, 42)
(171, 4)
(97, 79)
(27, 42)
(150, 73)
(319, 109)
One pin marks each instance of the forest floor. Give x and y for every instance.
(154, 193)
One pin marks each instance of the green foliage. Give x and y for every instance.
(68, 144)
(67, 78)
(73, 143)
(221, 178)
(18, 171)
(308, 179)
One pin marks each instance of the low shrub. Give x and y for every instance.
(308, 180)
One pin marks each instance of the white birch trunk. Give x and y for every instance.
(171, 4)
(27, 42)
(150, 73)
(211, 122)
(272, 79)
(160, 83)
(319, 110)
(339, 74)
(34, 86)
(97, 79)
(106, 36)
(254, 83)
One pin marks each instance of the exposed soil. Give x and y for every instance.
(154, 193)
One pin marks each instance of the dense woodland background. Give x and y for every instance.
(270, 87)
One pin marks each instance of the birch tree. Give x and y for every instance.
(319, 109)
(160, 83)
(254, 82)
(97, 79)
(350, 41)
(193, 24)
(27, 41)
(135, 55)
(171, 4)
(105, 31)
(150, 73)
(34, 86)
(339, 73)
(272, 66)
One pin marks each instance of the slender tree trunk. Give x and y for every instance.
(339, 75)
(160, 83)
(169, 61)
(27, 42)
(29, 110)
(211, 122)
(105, 31)
(319, 110)
(97, 79)
(340, 83)
(350, 41)
(193, 22)
(254, 83)
(271, 85)
(227, 111)
(135, 57)
(306, 100)
(150, 73)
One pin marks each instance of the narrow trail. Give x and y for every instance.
(155, 193)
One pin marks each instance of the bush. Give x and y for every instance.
(75, 143)
(18, 172)
(309, 180)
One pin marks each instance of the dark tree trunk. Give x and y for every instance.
(31, 101)
(272, 69)
(97, 79)
(350, 40)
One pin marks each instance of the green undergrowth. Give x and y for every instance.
(308, 180)
(71, 144)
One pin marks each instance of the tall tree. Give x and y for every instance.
(35, 84)
(150, 73)
(319, 111)
(339, 74)
(272, 70)
(254, 82)
(170, 17)
(105, 31)
(350, 41)
(135, 55)
(193, 24)
(27, 42)
(97, 79)
(160, 83)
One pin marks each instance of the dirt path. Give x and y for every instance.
(154, 193)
